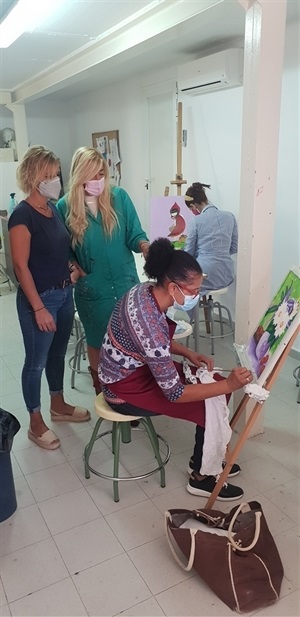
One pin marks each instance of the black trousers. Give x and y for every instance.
(131, 410)
(198, 447)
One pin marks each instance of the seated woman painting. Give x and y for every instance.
(136, 369)
(212, 238)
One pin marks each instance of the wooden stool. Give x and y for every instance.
(209, 304)
(121, 428)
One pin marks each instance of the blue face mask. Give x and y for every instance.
(189, 302)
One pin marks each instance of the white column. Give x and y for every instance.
(20, 124)
(263, 61)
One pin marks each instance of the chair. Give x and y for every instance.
(296, 374)
(4, 278)
(183, 330)
(7, 274)
(79, 352)
(121, 429)
(209, 305)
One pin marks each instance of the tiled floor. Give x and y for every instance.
(71, 550)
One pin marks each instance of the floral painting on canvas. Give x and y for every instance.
(277, 325)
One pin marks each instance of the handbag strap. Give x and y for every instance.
(193, 532)
(256, 534)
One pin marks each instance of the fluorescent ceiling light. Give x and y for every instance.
(25, 16)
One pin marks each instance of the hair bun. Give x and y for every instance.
(159, 257)
(198, 186)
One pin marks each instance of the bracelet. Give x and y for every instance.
(40, 309)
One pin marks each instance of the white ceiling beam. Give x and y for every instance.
(5, 97)
(162, 18)
(245, 4)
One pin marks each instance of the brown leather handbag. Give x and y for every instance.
(234, 553)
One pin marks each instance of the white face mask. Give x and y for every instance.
(95, 187)
(50, 188)
(188, 304)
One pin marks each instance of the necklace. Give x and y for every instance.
(34, 205)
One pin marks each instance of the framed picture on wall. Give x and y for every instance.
(107, 143)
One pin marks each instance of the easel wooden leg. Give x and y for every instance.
(232, 455)
(179, 178)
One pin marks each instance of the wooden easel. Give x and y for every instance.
(178, 176)
(232, 455)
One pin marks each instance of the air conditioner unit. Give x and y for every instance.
(215, 72)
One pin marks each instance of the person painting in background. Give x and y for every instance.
(212, 237)
(104, 229)
(40, 253)
(136, 369)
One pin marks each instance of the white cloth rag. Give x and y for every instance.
(217, 430)
(257, 392)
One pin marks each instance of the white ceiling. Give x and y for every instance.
(87, 42)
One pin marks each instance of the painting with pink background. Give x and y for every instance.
(169, 218)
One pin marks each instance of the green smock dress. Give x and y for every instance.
(108, 262)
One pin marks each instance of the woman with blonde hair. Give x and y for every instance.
(104, 229)
(40, 253)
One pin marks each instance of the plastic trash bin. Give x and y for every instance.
(9, 426)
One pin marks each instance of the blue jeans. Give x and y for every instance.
(45, 350)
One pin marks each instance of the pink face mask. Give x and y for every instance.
(95, 187)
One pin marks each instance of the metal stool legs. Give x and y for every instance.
(75, 361)
(122, 431)
(153, 437)
(209, 305)
(296, 374)
(5, 277)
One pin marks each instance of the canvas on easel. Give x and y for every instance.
(169, 218)
(232, 455)
(265, 354)
(275, 329)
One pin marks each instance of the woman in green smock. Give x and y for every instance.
(105, 229)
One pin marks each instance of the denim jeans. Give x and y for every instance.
(45, 350)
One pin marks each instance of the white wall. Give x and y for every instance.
(214, 124)
(287, 229)
(213, 156)
(6, 118)
(48, 125)
(119, 107)
(214, 129)
(213, 152)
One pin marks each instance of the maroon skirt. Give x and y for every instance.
(141, 390)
